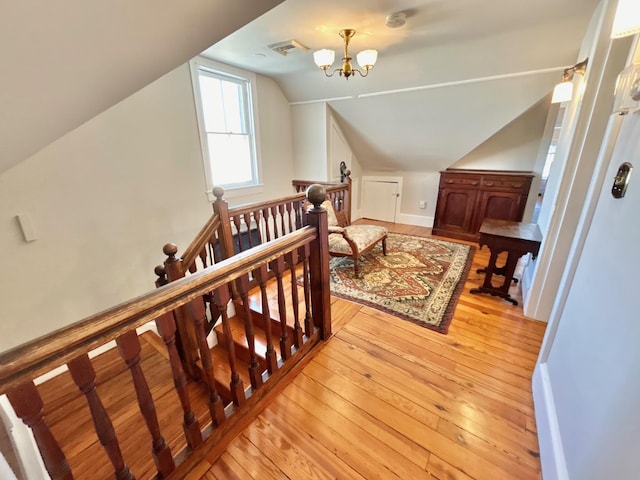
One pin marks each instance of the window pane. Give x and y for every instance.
(222, 104)
(212, 106)
(230, 157)
(233, 105)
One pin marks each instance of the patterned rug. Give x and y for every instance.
(419, 280)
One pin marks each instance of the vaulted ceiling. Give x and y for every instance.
(464, 68)
(62, 63)
(456, 73)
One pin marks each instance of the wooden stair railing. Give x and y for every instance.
(181, 299)
(230, 231)
(338, 192)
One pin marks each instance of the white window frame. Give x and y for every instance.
(252, 118)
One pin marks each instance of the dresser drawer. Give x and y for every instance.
(459, 180)
(515, 184)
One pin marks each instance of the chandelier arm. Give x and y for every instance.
(332, 73)
(366, 72)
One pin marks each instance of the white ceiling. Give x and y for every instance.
(470, 66)
(62, 66)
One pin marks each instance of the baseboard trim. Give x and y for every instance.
(553, 463)
(417, 220)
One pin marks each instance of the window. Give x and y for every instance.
(224, 103)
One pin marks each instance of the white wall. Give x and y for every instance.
(515, 147)
(572, 172)
(585, 385)
(309, 125)
(106, 197)
(591, 363)
(416, 186)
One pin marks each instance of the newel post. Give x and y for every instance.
(319, 261)
(225, 235)
(186, 338)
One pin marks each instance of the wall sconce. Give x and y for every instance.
(627, 19)
(366, 59)
(563, 91)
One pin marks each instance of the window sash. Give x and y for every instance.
(229, 142)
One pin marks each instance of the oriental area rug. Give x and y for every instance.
(420, 279)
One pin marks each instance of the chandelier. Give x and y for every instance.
(366, 59)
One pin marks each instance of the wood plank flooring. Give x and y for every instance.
(388, 399)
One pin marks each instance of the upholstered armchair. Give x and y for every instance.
(347, 240)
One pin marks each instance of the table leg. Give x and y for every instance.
(508, 270)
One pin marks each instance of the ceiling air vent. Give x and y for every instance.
(287, 47)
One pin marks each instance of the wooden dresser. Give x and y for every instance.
(467, 197)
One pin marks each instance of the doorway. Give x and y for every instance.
(551, 152)
(381, 198)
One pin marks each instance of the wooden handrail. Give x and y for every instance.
(213, 225)
(195, 247)
(250, 207)
(32, 359)
(333, 189)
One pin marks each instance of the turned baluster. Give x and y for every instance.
(300, 214)
(290, 210)
(186, 334)
(238, 224)
(214, 249)
(283, 225)
(308, 319)
(257, 219)
(204, 257)
(216, 407)
(167, 328)
(267, 229)
(319, 262)
(27, 404)
(221, 298)
(84, 377)
(274, 215)
(129, 347)
(285, 342)
(255, 373)
(247, 221)
(261, 276)
(292, 260)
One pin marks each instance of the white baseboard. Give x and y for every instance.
(417, 220)
(552, 459)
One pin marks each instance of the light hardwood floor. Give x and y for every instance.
(386, 398)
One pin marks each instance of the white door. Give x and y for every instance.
(380, 199)
(592, 368)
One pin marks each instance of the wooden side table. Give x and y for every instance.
(517, 239)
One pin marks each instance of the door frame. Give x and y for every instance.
(385, 179)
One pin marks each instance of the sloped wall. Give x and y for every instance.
(515, 147)
(106, 197)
